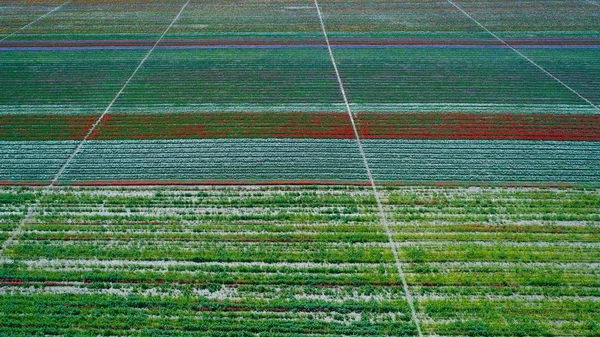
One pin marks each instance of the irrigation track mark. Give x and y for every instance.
(36, 20)
(30, 211)
(19, 227)
(522, 55)
(592, 2)
(382, 215)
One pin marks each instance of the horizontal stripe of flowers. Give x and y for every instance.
(330, 125)
(480, 126)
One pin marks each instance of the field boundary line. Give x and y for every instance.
(99, 120)
(36, 20)
(523, 55)
(33, 208)
(382, 216)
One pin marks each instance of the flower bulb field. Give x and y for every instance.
(300, 168)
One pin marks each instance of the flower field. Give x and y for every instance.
(299, 168)
(171, 80)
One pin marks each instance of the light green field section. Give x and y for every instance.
(301, 261)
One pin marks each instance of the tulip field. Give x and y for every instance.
(300, 168)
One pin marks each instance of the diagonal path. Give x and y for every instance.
(523, 55)
(33, 208)
(382, 216)
(36, 20)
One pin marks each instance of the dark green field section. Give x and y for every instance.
(257, 78)
(443, 59)
(251, 79)
(432, 55)
(447, 76)
(578, 68)
(301, 261)
(546, 22)
(56, 82)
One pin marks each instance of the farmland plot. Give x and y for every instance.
(78, 23)
(141, 261)
(225, 89)
(302, 261)
(17, 14)
(459, 142)
(510, 262)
